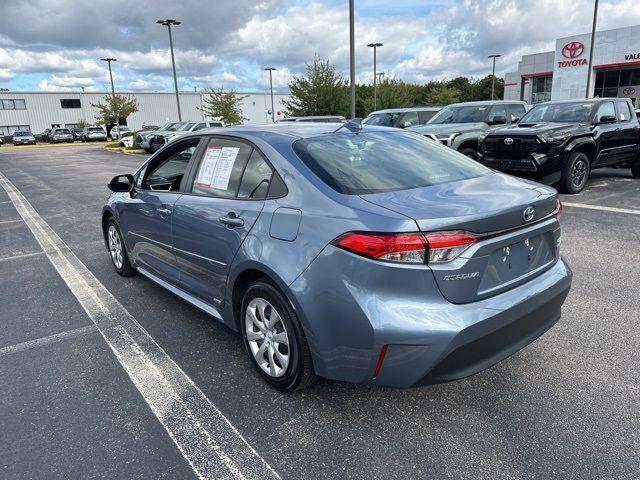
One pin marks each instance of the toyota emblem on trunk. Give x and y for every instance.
(508, 141)
(528, 213)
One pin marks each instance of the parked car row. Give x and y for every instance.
(557, 143)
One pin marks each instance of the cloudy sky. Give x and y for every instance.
(56, 44)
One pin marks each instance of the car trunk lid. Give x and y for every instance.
(510, 249)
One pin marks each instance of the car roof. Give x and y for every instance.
(289, 129)
(408, 109)
(596, 99)
(486, 102)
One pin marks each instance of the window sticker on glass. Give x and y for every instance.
(216, 167)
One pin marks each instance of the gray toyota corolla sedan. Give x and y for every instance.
(362, 254)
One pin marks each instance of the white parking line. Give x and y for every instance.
(11, 221)
(604, 209)
(38, 342)
(208, 441)
(22, 255)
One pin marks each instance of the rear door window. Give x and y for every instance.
(256, 178)
(221, 168)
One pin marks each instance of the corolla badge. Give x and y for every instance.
(508, 141)
(528, 213)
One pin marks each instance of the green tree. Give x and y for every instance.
(322, 91)
(483, 88)
(224, 105)
(465, 87)
(82, 123)
(440, 93)
(114, 107)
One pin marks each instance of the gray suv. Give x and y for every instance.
(401, 117)
(459, 125)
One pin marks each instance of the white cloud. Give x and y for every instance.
(231, 44)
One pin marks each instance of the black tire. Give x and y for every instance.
(575, 173)
(635, 168)
(125, 269)
(469, 152)
(299, 372)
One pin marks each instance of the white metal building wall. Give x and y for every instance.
(44, 108)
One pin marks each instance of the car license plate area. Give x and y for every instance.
(514, 261)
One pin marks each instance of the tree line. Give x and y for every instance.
(323, 91)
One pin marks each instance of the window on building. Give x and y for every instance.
(541, 89)
(70, 103)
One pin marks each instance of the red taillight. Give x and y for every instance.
(383, 353)
(392, 247)
(446, 246)
(436, 247)
(558, 211)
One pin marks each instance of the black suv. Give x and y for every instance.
(560, 142)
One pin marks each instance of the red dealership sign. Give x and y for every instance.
(572, 51)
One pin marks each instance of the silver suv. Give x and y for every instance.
(401, 117)
(459, 125)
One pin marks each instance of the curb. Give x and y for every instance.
(53, 145)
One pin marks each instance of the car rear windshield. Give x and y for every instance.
(572, 112)
(382, 119)
(461, 114)
(373, 162)
(21, 134)
(95, 129)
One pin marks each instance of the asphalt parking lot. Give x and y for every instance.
(564, 407)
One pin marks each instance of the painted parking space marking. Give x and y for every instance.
(208, 441)
(39, 342)
(604, 209)
(10, 221)
(22, 255)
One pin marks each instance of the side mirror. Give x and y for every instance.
(607, 119)
(122, 183)
(406, 124)
(498, 120)
(515, 119)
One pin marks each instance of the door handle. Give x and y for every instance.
(230, 220)
(163, 212)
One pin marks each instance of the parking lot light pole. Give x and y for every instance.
(270, 70)
(352, 57)
(168, 22)
(113, 94)
(593, 37)
(375, 49)
(493, 76)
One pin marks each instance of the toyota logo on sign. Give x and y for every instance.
(573, 50)
(629, 91)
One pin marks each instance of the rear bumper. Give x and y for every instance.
(429, 339)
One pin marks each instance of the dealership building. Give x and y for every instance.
(562, 74)
(36, 111)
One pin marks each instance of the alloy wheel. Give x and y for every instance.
(267, 337)
(115, 246)
(579, 173)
